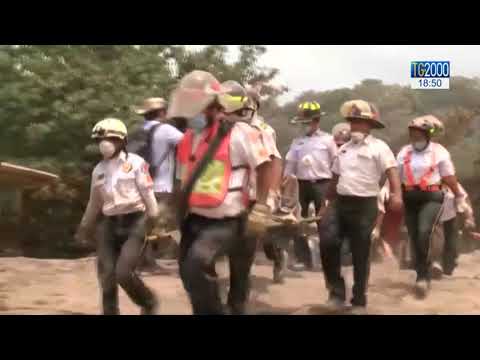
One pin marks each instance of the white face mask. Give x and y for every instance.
(107, 149)
(420, 145)
(357, 137)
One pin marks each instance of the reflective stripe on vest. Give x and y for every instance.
(212, 187)
(424, 180)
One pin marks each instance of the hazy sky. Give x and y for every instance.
(323, 67)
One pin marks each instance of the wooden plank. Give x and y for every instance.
(16, 176)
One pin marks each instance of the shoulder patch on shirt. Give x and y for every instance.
(127, 167)
(100, 176)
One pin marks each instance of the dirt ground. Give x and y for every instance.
(64, 287)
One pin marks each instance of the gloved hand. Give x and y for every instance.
(469, 223)
(258, 220)
(395, 202)
(156, 227)
(461, 204)
(375, 234)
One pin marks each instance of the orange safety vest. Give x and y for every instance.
(212, 187)
(409, 173)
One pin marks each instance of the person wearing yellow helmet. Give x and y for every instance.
(121, 189)
(358, 169)
(215, 158)
(309, 159)
(424, 167)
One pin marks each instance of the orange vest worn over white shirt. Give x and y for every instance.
(424, 180)
(212, 187)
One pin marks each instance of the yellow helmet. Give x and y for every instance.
(236, 97)
(361, 109)
(428, 123)
(109, 128)
(306, 112)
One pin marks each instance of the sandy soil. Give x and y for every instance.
(29, 286)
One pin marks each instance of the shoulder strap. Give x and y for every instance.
(408, 169)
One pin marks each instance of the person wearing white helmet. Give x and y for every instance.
(424, 166)
(271, 247)
(358, 169)
(310, 159)
(216, 157)
(121, 189)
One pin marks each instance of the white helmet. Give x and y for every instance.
(194, 93)
(428, 123)
(109, 128)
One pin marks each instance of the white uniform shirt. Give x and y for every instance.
(246, 148)
(311, 157)
(120, 186)
(422, 161)
(269, 139)
(361, 166)
(165, 138)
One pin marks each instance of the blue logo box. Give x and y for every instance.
(430, 69)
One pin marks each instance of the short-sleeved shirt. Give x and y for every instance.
(311, 157)
(269, 139)
(269, 136)
(421, 161)
(246, 149)
(121, 184)
(165, 138)
(360, 167)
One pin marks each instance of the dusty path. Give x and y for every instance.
(29, 286)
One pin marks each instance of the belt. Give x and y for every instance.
(428, 188)
(317, 181)
(125, 216)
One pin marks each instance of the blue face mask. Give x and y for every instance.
(198, 123)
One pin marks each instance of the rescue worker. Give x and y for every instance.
(445, 261)
(424, 165)
(216, 221)
(309, 159)
(123, 190)
(162, 141)
(272, 250)
(358, 169)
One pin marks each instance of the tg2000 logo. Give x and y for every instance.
(430, 75)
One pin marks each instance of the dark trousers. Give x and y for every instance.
(450, 252)
(422, 210)
(119, 251)
(203, 242)
(309, 192)
(351, 218)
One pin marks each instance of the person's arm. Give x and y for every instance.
(92, 211)
(290, 162)
(388, 164)
(332, 188)
(145, 186)
(264, 181)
